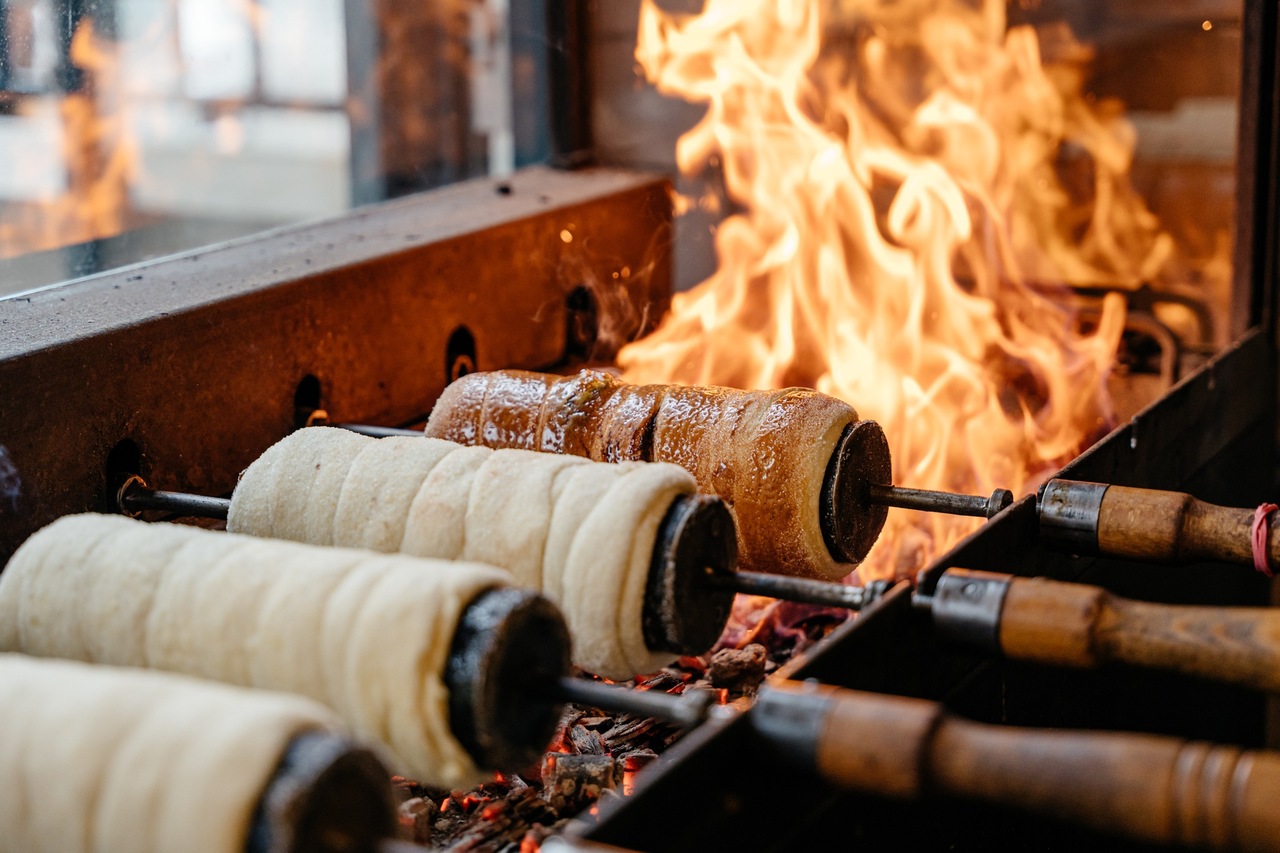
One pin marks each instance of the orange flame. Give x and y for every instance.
(883, 242)
(97, 152)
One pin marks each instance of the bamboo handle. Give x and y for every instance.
(1159, 789)
(1174, 527)
(1086, 626)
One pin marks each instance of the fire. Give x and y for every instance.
(899, 219)
(97, 151)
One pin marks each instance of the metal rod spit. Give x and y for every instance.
(883, 495)
(378, 431)
(946, 502)
(685, 710)
(799, 589)
(136, 497)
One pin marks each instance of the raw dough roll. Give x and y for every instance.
(764, 452)
(105, 759)
(581, 532)
(366, 634)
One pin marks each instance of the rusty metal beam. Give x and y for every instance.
(197, 358)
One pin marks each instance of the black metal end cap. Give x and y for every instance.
(1000, 500)
(327, 795)
(508, 646)
(683, 614)
(851, 523)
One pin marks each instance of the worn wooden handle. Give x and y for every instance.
(1159, 789)
(1085, 626)
(1174, 527)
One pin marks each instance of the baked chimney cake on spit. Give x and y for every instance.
(621, 549)
(807, 481)
(99, 758)
(442, 663)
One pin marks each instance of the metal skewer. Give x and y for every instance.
(802, 590)
(135, 497)
(377, 431)
(951, 503)
(685, 710)
(925, 500)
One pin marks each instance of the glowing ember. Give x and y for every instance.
(897, 199)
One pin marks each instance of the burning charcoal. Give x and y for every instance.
(627, 729)
(586, 741)
(535, 836)
(416, 818)
(502, 824)
(738, 669)
(571, 782)
(661, 680)
(406, 789)
(633, 764)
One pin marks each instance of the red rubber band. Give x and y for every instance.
(1258, 539)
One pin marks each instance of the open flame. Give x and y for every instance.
(900, 218)
(98, 153)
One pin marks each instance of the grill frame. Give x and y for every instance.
(730, 790)
(188, 367)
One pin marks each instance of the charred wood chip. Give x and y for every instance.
(499, 824)
(626, 729)
(738, 669)
(572, 782)
(417, 816)
(638, 760)
(662, 680)
(692, 664)
(538, 834)
(586, 741)
(406, 789)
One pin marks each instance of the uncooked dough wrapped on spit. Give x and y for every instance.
(106, 759)
(366, 634)
(767, 453)
(581, 532)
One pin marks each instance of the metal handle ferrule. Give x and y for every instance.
(966, 607)
(1069, 511)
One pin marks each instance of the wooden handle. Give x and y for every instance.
(1158, 789)
(1173, 527)
(1085, 626)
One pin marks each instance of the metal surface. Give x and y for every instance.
(803, 590)
(135, 498)
(379, 431)
(850, 522)
(966, 607)
(196, 359)
(1257, 217)
(328, 795)
(682, 614)
(1069, 514)
(687, 709)
(507, 644)
(791, 723)
(945, 502)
